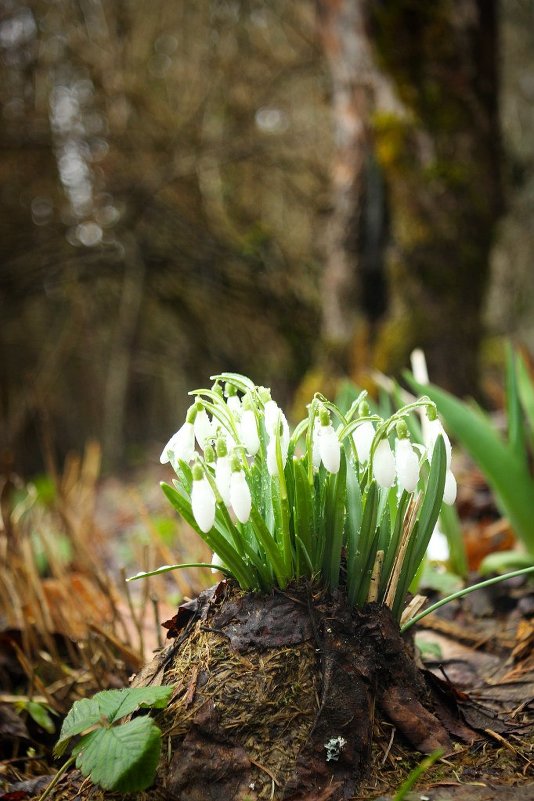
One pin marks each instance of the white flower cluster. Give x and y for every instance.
(402, 463)
(232, 438)
(228, 479)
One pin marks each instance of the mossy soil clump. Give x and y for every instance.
(275, 697)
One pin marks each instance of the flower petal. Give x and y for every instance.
(407, 465)
(384, 464)
(180, 446)
(363, 437)
(203, 504)
(240, 497)
(203, 427)
(451, 488)
(223, 474)
(329, 448)
(248, 431)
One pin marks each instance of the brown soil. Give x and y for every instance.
(275, 697)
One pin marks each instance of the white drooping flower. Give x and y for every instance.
(363, 437)
(240, 497)
(180, 446)
(432, 430)
(272, 464)
(273, 415)
(216, 562)
(234, 404)
(203, 504)
(449, 493)
(438, 547)
(384, 464)
(248, 431)
(329, 448)
(203, 427)
(407, 465)
(223, 474)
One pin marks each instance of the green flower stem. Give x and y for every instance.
(465, 591)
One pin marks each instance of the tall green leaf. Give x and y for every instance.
(505, 473)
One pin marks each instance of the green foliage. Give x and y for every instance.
(503, 460)
(314, 509)
(416, 774)
(116, 754)
(39, 713)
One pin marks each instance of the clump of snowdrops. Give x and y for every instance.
(346, 500)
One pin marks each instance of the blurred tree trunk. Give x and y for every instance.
(347, 51)
(441, 160)
(438, 147)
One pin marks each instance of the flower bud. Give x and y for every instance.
(203, 504)
(223, 474)
(181, 446)
(329, 448)
(203, 426)
(384, 464)
(240, 497)
(217, 562)
(272, 464)
(432, 430)
(407, 465)
(438, 547)
(363, 438)
(248, 431)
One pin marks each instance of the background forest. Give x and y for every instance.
(290, 190)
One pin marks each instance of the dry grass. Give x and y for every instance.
(69, 624)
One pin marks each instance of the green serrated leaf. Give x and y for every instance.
(116, 704)
(109, 705)
(121, 758)
(83, 715)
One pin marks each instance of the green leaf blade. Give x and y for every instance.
(116, 704)
(507, 476)
(83, 715)
(122, 758)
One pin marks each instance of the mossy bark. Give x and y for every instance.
(275, 698)
(441, 157)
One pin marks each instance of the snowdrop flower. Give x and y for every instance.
(406, 463)
(217, 562)
(449, 493)
(329, 447)
(363, 437)
(202, 500)
(223, 474)
(203, 426)
(232, 400)
(273, 415)
(272, 464)
(438, 547)
(181, 445)
(240, 495)
(316, 453)
(384, 464)
(432, 430)
(248, 431)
